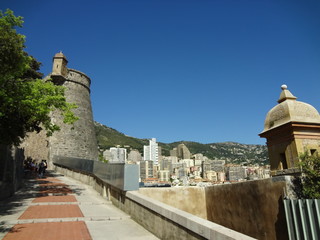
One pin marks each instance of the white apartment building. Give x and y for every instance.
(151, 152)
(118, 155)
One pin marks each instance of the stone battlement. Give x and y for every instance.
(79, 77)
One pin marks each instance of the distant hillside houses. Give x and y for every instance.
(182, 167)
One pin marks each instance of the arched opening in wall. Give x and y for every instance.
(313, 152)
(283, 161)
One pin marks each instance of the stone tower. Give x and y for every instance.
(59, 67)
(291, 129)
(77, 141)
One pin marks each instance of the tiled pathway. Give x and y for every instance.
(57, 207)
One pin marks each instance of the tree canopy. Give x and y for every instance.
(25, 100)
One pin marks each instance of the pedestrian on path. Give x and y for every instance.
(41, 168)
(45, 166)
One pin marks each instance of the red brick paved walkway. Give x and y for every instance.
(52, 192)
(52, 211)
(49, 231)
(65, 198)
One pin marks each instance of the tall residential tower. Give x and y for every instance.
(151, 152)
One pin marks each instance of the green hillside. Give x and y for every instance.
(230, 151)
(109, 137)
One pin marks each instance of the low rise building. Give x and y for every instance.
(236, 173)
(164, 175)
(146, 170)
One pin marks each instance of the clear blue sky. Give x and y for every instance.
(204, 71)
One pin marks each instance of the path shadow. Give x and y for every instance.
(16, 203)
(33, 187)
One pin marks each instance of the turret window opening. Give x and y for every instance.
(283, 161)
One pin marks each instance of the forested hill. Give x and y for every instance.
(230, 151)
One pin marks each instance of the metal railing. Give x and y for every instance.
(303, 218)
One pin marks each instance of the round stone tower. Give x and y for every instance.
(79, 140)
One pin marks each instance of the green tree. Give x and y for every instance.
(310, 166)
(25, 100)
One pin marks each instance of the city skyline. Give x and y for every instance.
(194, 71)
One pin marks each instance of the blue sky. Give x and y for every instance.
(204, 71)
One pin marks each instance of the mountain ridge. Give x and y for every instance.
(230, 151)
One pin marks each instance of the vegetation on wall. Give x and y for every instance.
(310, 182)
(25, 100)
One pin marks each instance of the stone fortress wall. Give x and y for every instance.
(79, 140)
(36, 146)
(72, 141)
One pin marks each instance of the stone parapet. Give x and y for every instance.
(164, 221)
(79, 78)
(168, 222)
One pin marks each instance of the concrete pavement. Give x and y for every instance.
(58, 207)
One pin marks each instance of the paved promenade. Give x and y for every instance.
(57, 207)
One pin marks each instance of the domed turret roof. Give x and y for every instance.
(290, 110)
(60, 55)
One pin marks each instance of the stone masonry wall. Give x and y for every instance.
(36, 146)
(162, 220)
(254, 208)
(78, 141)
(11, 171)
(184, 198)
